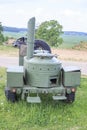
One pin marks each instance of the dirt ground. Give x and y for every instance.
(70, 54)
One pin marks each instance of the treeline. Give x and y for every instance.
(2, 37)
(13, 29)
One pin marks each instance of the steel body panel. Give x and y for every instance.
(71, 76)
(15, 76)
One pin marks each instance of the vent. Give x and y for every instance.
(53, 81)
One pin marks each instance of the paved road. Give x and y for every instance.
(13, 61)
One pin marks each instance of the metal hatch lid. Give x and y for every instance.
(48, 55)
(15, 69)
(71, 68)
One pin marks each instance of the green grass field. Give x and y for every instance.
(14, 34)
(70, 41)
(48, 115)
(9, 51)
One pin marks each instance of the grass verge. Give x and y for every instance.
(8, 50)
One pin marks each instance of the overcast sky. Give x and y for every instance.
(71, 14)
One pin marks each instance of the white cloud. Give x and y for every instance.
(19, 11)
(70, 13)
(38, 11)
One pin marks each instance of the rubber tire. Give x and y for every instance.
(10, 95)
(41, 44)
(70, 97)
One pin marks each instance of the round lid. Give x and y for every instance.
(44, 55)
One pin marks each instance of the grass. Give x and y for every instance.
(69, 41)
(14, 34)
(9, 50)
(81, 46)
(48, 115)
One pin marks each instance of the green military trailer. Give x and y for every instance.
(40, 72)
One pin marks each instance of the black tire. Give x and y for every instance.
(41, 44)
(10, 96)
(70, 97)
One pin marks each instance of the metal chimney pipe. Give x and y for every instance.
(30, 38)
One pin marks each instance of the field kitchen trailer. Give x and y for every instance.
(40, 72)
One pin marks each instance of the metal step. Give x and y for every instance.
(59, 97)
(33, 99)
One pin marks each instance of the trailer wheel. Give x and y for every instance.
(10, 96)
(42, 45)
(70, 97)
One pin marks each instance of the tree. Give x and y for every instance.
(1, 28)
(1, 35)
(50, 31)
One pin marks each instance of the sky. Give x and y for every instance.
(71, 14)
